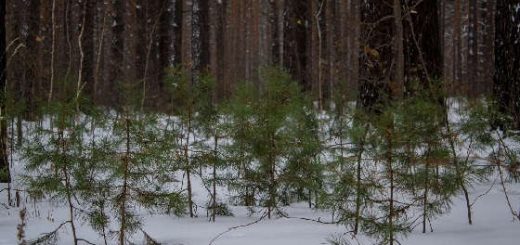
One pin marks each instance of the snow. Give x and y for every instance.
(493, 224)
(492, 220)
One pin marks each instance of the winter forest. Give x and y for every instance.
(231, 122)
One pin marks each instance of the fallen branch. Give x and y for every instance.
(485, 193)
(148, 239)
(236, 227)
(86, 241)
(45, 237)
(309, 219)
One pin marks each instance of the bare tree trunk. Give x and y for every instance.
(80, 83)
(195, 41)
(317, 16)
(101, 47)
(53, 48)
(130, 40)
(398, 51)
(355, 12)
(187, 36)
(147, 60)
(507, 66)
(213, 40)
(89, 47)
(5, 176)
(457, 37)
(473, 48)
(117, 44)
(280, 7)
(31, 56)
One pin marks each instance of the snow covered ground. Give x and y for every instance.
(493, 224)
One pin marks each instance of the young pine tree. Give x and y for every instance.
(262, 137)
(389, 218)
(183, 99)
(209, 148)
(431, 178)
(138, 168)
(468, 134)
(56, 159)
(304, 169)
(352, 175)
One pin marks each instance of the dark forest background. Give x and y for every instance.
(54, 47)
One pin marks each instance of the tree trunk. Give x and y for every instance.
(425, 196)
(187, 36)
(114, 57)
(5, 175)
(457, 38)
(507, 65)
(188, 164)
(53, 49)
(360, 151)
(391, 208)
(213, 42)
(88, 47)
(196, 43)
(330, 44)
(398, 51)
(474, 77)
(272, 185)
(66, 179)
(124, 191)
(31, 56)
(280, 8)
(214, 184)
(130, 40)
(458, 171)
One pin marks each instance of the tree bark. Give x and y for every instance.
(5, 175)
(398, 51)
(280, 8)
(130, 54)
(507, 65)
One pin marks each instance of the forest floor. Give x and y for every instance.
(493, 224)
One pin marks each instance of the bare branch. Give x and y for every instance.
(236, 227)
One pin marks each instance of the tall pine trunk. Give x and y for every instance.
(398, 50)
(507, 65)
(5, 175)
